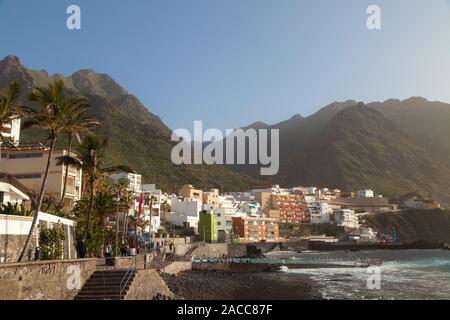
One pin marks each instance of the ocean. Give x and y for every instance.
(404, 274)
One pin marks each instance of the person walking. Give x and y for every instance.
(108, 250)
(123, 250)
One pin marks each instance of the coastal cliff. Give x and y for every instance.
(431, 226)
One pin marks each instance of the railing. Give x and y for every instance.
(126, 278)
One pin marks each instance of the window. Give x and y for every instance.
(25, 156)
(28, 176)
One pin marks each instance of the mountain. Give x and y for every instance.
(351, 146)
(136, 136)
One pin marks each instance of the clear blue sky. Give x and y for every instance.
(230, 63)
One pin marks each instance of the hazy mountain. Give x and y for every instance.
(136, 136)
(352, 146)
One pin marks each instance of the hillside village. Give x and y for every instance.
(266, 213)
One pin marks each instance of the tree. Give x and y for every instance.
(9, 108)
(91, 156)
(165, 207)
(50, 114)
(76, 123)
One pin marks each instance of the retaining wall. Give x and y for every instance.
(44, 280)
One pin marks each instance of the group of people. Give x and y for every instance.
(158, 245)
(127, 250)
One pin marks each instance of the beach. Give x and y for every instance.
(213, 285)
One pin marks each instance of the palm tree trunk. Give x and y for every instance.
(61, 201)
(91, 201)
(39, 203)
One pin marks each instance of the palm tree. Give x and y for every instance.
(91, 156)
(165, 207)
(76, 123)
(50, 114)
(9, 108)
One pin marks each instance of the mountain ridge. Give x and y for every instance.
(136, 136)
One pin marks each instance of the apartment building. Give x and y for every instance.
(134, 180)
(211, 198)
(346, 218)
(27, 163)
(319, 212)
(255, 229)
(292, 208)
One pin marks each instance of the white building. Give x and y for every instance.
(368, 193)
(306, 190)
(228, 208)
(11, 131)
(152, 214)
(134, 180)
(346, 218)
(319, 212)
(184, 212)
(16, 229)
(12, 190)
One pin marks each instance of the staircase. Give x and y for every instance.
(107, 285)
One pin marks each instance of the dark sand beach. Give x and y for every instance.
(213, 285)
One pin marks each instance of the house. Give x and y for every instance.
(12, 191)
(368, 193)
(11, 131)
(27, 163)
(416, 203)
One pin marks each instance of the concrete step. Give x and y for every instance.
(105, 297)
(106, 285)
(106, 292)
(97, 287)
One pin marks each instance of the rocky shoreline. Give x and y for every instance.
(213, 285)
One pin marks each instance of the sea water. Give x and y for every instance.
(404, 274)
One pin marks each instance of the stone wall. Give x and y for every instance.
(130, 261)
(146, 285)
(51, 280)
(11, 246)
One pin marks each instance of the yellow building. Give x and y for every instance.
(27, 164)
(188, 191)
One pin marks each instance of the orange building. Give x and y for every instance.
(292, 208)
(188, 191)
(255, 229)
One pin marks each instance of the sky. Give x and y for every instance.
(230, 63)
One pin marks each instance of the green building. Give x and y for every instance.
(207, 227)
